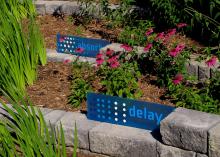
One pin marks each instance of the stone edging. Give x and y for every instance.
(185, 133)
(198, 69)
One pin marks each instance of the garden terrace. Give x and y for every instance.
(149, 75)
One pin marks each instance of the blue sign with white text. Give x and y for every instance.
(79, 46)
(127, 112)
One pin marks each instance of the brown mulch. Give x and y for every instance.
(53, 84)
(50, 26)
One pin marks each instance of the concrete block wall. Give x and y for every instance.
(184, 133)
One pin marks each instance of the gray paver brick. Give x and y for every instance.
(214, 141)
(188, 129)
(116, 140)
(169, 151)
(83, 127)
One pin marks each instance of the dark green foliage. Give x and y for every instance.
(194, 98)
(81, 83)
(202, 16)
(214, 86)
(121, 81)
(134, 35)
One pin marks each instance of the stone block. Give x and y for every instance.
(71, 8)
(83, 127)
(113, 46)
(214, 141)
(40, 9)
(169, 151)
(201, 155)
(53, 56)
(188, 129)
(204, 72)
(116, 140)
(192, 68)
(54, 6)
(52, 117)
(45, 110)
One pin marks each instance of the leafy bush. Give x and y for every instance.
(214, 86)
(119, 75)
(81, 83)
(134, 35)
(194, 98)
(166, 58)
(122, 81)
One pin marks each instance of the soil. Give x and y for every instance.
(53, 84)
(50, 26)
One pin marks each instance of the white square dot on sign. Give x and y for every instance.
(124, 115)
(124, 121)
(124, 104)
(124, 109)
(116, 108)
(116, 103)
(116, 119)
(116, 113)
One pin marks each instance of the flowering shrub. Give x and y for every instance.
(118, 76)
(166, 59)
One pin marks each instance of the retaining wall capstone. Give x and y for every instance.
(185, 133)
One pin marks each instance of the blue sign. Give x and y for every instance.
(79, 46)
(127, 112)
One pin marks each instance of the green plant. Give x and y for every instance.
(193, 97)
(121, 81)
(20, 52)
(121, 15)
(79, 30)
(24, 132)
(167, 58)
(81, 83)
(214, 85)
(87, 10)
(134, 35)
(202, 16)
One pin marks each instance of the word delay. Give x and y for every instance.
(79, 46)
(126, 112)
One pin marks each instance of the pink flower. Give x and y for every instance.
(149, 31)
(174, 52)
(99, 61)
(109, 52)
(66, 61)
(180, 47)
(115, 64)
(79, 50)
(99, 56)
(212, 61)
(177, 79)
(62, 39)
(160, 36)
(171, 32)
(127, 47)
(112, 59)
(181, 25)
(148, 47)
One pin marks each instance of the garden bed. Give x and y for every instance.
(53, 87)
